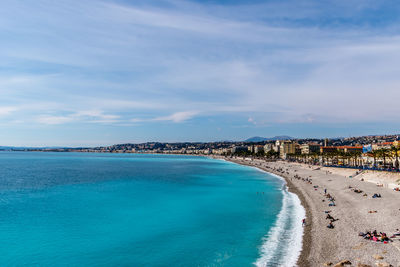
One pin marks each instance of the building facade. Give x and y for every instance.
(310, 148)
(287, 147)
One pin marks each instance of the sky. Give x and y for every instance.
(98, 72)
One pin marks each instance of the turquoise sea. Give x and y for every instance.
(87, 209)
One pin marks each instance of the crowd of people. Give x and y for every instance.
(379, 237)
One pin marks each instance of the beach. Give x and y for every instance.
(354, 213)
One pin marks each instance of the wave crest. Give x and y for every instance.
(283, 243)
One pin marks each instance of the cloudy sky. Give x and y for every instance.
(102, 72)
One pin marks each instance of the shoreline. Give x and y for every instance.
(353, 213)
(306, 238)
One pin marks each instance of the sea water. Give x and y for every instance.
(88, 209)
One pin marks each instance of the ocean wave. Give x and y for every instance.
(283, 243)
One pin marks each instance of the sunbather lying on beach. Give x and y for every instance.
(396, 234)
(374, 236)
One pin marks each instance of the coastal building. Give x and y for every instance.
(310, 148)
(297, 149)
(226, 150)
(250, 149)
(237, 149)
(268, 147)
(286, 147)
(221, 151)
(258, 148)
(328, 149)
(345, 149)
(351, 149)
(383, 145)
(396, 144)
(326, 142)
(277, 145)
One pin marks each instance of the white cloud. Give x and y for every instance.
(85, 116)
(178, 116)
(146, 60)
(54, 120)
(5, 111)
(95, 115)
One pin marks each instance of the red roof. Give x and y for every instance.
(342, 147)
(386, 143)
(357, 147)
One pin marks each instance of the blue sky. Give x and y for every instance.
(94, 72)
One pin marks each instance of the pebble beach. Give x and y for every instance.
(352, 212)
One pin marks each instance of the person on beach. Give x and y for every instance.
(396, 234)
(329, 217)
(304, 222)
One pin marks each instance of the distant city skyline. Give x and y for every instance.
(97, 72)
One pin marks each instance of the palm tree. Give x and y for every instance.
(383, 153)
(343, 155)
(356, 155)
(314, 156)
(332, 155)
(375, 154)
(395, 149)
(336, 154)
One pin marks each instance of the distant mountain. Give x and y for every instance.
(257, 139)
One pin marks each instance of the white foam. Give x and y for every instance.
(282, 246)
(289, 247)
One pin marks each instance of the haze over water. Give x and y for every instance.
(119, 209)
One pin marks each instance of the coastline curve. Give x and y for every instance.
(283, 245)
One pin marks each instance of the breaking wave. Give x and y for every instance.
(283, 243)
